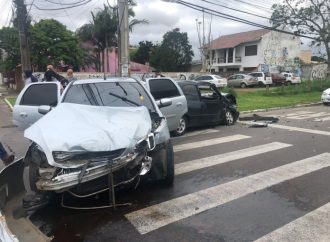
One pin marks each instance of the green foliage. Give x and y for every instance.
(142, 55)
(284, 96)
(229, 90)
(174, 54)
(9, 49)
(308, 17)
(51, 42)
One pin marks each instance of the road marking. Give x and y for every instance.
(209, 142)
(290, 128)
(159, 215)
(322, 119)
(306, 116)
(297, 113)
(313, 226)
(197, 164)
(194, 133)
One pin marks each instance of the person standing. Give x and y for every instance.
(4, 156)
(29, 77)
(70, 76)
(51, 75)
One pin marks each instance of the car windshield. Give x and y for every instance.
(112, 94)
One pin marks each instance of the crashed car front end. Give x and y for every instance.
(81, 154)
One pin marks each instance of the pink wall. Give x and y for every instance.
(112, 67)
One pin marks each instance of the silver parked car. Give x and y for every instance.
(167, 88)
(96, 127)
(217, 80)
(242, 80)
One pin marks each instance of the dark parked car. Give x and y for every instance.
(278, 79)
(206, 105)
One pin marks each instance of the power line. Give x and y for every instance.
(241, 11)
(68, 7)
(230, 17)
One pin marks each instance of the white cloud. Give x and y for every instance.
(162, 17)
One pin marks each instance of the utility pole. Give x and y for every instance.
(21, 15)
(123, 38)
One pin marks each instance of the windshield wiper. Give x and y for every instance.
(124, 99)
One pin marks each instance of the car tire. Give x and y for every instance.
(243, 85)
(182, 127)
(183, 77)
(261, 84)
(169, 178)
(33, 176)
(289, 83)
(229, 118)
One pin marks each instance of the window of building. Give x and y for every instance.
(251, 50)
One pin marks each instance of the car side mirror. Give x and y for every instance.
(44, 109)
(164, 102)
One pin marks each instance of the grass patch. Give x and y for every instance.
(284, 96)
(11, 100)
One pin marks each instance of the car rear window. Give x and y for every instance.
(163, 88)
(112, 94)
(40, 94)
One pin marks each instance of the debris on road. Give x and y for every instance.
(255, 121)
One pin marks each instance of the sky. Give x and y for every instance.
(162, 16)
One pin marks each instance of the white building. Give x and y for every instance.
(248, 51)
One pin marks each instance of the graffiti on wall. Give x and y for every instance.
(277, 56)
(319, 72)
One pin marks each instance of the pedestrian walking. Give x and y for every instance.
(4, 156)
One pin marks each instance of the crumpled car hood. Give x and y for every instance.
(75, 128)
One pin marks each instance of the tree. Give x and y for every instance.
(9, 49)
(308, 17)
(142, 54)
(102, 31)
(51, 43)
(174, 54)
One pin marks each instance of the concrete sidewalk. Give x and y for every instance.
(10, 136)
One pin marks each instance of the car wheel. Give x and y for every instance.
(229, 118)
(33, 176)
(182, 126)
(289, 83)
(243, 85)
(260, 84)
(169, 178)
(183, 77)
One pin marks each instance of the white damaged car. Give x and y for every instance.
(94, 128)
(325, 97)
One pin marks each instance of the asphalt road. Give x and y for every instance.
(233, 183)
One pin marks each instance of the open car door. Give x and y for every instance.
(25, 111)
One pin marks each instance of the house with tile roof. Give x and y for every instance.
(248, 51)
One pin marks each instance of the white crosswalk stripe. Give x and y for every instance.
(314, 226)
(208, 142)
(300, 115)
(291, 128)
(159, 215)
(226, 157)
(195, 133)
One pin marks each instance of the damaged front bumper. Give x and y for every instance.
(68, 178)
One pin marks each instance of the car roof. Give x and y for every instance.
(111, 79)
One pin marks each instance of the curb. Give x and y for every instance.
(9, 104)
(279, 108)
